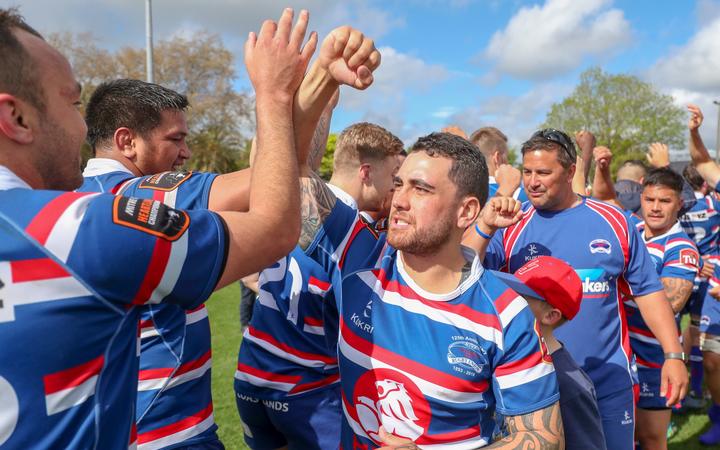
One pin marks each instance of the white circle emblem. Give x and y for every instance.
(9, 411)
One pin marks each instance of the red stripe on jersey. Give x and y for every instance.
(156, 268)
(173, 428)
(623, 287)
(450, 437)
(286, 348)
(36, 270)
(655, 245)
(44, 221)
(313, 322)
(505, 299)
(652, 365)
(147, 323)
(133, 433)
(73, 376)
(617, 222)
(359, 225)
(488, 320)
(527, 362)
(322, 285)
(117, 187)
(642, 332)
(190, 311)
(409, 366)
(289, 379)
(154, 374)
(512, 234)
(315, 384)
(194, 364)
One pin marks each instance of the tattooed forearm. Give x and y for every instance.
(316, 202)
(319, 141)
(677, 291)
(540, 430)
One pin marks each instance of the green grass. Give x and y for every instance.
(225, 323)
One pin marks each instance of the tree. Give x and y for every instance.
(198, 66)
(326, 165)
(625, 113)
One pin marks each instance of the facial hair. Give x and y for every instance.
(424, 241)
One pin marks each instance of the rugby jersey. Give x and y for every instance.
(675, 256)
(68, 328)
(427, 367)
(174, 398)
(702, 224)
(609, 257)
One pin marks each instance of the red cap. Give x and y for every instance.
(555, 281)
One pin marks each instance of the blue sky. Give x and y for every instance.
(466, 62)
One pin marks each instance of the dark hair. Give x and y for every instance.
(550, 139)
(18, 72)
(693, 177)
(664, 176)
(469, 170)
(128, 103)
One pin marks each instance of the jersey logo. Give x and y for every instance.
(166, 181)
(689, 257)
(150, 216)
(593, 283)
(387, 398)
(600, 246)
(466, 356)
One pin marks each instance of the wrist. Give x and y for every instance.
(484, 230)
(273, 99)
(675, 355)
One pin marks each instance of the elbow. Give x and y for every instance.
(283, 238)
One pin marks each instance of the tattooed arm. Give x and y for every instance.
(316, 202)
(677, 290)
(539, 430)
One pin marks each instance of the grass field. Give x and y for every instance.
(223, 310)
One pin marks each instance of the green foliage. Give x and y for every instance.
(625, 113)
(326, 166)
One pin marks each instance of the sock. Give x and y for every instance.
(714, 413)
(696, 371)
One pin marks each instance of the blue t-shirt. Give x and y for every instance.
(578, 404)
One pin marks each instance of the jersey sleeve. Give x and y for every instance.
(182, 190)
(524, 378)
(640, 273)
(681, 259)
(141, 251)
(495, 253)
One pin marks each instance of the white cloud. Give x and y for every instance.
(444, 112)
(710, 111)
(541, 42)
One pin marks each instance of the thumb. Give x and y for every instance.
(391, 439)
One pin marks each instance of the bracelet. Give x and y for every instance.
(675, 355)
(480, 232)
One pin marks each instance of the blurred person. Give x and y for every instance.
(493, 146)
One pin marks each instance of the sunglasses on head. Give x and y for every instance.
(559, 138)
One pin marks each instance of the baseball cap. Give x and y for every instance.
(549, 279)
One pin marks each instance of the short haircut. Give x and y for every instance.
(550, 139)
(469, 171)
(134, 104)
(489, 140)
(19, 75)
(363, 141)
(693, 177)
(632, 169)
(664, 176)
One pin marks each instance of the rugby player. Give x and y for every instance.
(607, 253)
(677, 262)
(68, 327)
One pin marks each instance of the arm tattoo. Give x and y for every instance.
(316, 202)
(318, 146)
(677, 291)
(539, 430)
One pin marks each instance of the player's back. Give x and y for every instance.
(702, 224)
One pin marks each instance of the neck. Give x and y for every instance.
(24, 170)
(552, 343)
(653, 232)
(348, 185)
(439, 272)
(569, 200)
(119, 157)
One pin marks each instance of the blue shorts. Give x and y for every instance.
(308, 422)
(211, 445)
(617, 412)
(650, 397)
(710, 317)
(695, 301)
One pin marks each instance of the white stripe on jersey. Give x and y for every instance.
(277, 351)
(488, 333)
(509, 313)
(263, 382)
(312, 329)
(171, 274)
(643, 338)
(180, 436)
(524, 376)
(196, 316)
(174, 380)
(428, 388)
(67, 398)
(62, 236)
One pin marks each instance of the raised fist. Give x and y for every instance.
(603, 157)
(501, 212)
(349, 57)
(456, 130)
(696, 117)
(585, 140)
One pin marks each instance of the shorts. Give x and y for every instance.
(710, 317)
(617, 412)
(215, 444)
(696, 300)
(650, 397)
(308, 422)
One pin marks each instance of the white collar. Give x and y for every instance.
(698, 195)
(476, 271)
(491, 180)
(343, 196)
(674, 229)
(8, 180)
(102, 166)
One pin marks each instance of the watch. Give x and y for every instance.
(675, 355)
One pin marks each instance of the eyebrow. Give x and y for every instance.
(420, 183)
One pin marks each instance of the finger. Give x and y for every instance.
(364, 78)
(663, 384)
(683, 391)
(517, 207)
(353, 44)
(373, 60)
(367, 46)
(267, 31)
(298, 33)
(340, 37)
(284, 25)
(390, 439)
(250, 44)
(309, 47)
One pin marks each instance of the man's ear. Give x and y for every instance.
(14, 119)
(468, 211)
(365, 172)
(124, 141)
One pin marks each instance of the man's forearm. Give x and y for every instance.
(603, 188)
(541, 430)
(706, 167)
(658, 314)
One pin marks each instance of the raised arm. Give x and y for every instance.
(586, 143)
(603, 188)
(701, 159)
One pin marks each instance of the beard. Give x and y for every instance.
(58, 161)
(424, 241)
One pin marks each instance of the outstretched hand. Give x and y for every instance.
(658, 155)
(276, 58)
(349, 57)
(696, 117)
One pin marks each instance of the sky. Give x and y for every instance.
(470, 63)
